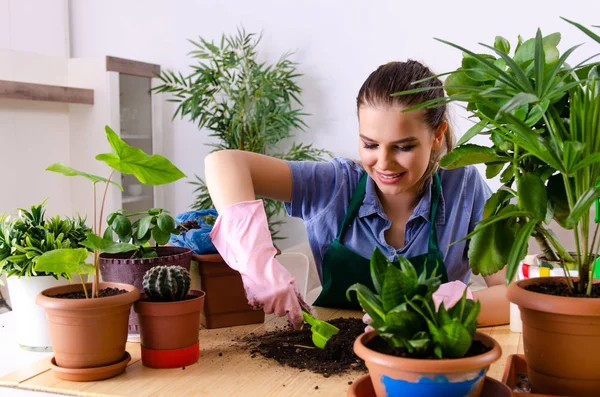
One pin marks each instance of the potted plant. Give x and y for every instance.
(247, 105)
(542, 117)
(22, 241)
(169, 316)
(130, 267)
(416, 348)
(88, 321)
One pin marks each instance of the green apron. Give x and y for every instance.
(343, 267)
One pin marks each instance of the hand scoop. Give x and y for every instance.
(322, 331)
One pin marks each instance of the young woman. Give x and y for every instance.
(396, 199)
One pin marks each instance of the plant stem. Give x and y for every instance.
(84, 287)
(95, 223)
(96, 252)
(582, 277)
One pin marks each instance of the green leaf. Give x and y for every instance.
(396, 286)
(522, 98)
(143, 226)
(590, 159)
(582, 206)
(94, 242)
(572, 151)
(378, 267)
(64, 260)
(500, 43)
(495, 203)
(558, 196)
(519, 249)
(455, 340)
(150, 170)
(368, 301)
(584, 29)
(108, 234)
(471, 132)
(493, 169)
(68, 171)
(470, 154)
(532, 196)
(122, 226)
(403, 322)
(489, 248)
(166, 223)
(160, 236)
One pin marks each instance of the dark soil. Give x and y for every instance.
(295, 348)
(185, 226)
(381, 346)
(560, 289)
(103, 293)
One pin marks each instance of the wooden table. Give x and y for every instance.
(223, 370)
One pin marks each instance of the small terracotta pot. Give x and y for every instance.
(88, 333)
(226, 304)
(398, 376)
(120, 268)
(169, 331)
(561, 338)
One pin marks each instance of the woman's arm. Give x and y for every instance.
(233, 176)
(495, 308)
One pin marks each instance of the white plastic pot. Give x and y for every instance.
(31, 325)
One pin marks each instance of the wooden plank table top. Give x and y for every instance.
(224, 369)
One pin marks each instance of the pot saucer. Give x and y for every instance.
(362, 387)
(90, 374)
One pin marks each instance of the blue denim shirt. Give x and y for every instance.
(321, 193)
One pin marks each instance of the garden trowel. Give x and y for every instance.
(321, 330)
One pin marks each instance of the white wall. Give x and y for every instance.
(337, 44)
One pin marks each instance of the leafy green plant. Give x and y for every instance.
(166, 283)
(148, 169)
(245, 104)
(404, 313)
(25, 238)
(156, 224)
(543, 119)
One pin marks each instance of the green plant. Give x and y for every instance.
(156, 224)
(245, 104)
(24, 239)
(542, 116)
(148, 169)
(404, 313)
(166, 283)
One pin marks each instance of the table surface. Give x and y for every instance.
(224, 369)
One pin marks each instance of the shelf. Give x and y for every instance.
(45, 92)
(135, 199)
(134, 68)
(136, 136)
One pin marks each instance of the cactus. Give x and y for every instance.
(166, 283)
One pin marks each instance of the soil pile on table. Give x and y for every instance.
(295, 348)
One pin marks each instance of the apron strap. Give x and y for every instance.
(355, 203)
(435, 198)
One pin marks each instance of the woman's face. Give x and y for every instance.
(395, 147)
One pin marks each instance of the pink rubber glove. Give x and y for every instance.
(241, 235)
(450, 293)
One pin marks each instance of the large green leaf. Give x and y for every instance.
(557, 194)
(370, 302)
(143, 226)
(160, 236)
(396, 285)
(470, 154)
(455, 340)
(68, 171)
(378, 267)
(402, 321)
(103, 245)
(65, 260)
(532, 195)
(500, 43)
(471, 132)
(582, 206)
(490, 247)
(150, 170)
(166, 223)
(519, 249)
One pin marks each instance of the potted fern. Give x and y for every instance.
(246, 105)
(542, 116)
(22, 241)
(417, 347)
(169, 316)
(88, 321)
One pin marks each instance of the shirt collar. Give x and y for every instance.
(371, 204)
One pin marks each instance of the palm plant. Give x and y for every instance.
(245, 104)
(543, 118)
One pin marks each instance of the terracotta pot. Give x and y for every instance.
(88, 333)
(120, 268)
(398, 376)
(225, 304)
(561, 338)
(169, 331)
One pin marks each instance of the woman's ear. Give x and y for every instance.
(438, 138)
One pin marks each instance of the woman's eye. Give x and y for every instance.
(405, 148)
(369, 145)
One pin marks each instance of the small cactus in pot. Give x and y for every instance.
(166, 283)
